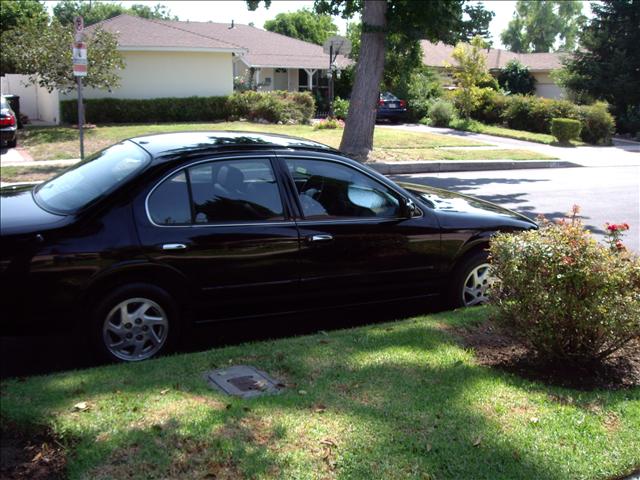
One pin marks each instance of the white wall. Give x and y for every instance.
(546, 87)
(35, 101)
(170, 74)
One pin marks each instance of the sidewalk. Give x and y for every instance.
(623, 153)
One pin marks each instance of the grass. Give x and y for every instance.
(478, 127)
(34, 173)
(399, 400)
(54, 143)
(389, 155)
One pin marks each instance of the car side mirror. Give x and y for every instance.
(407, 208)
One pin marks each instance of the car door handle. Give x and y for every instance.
(174, 246)
(319, 238)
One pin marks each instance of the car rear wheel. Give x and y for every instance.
(135, 322)
(471, 282)
(12, 143)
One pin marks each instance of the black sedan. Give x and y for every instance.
(161, 233)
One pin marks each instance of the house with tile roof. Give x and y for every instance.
(166, 58)
(437, 55)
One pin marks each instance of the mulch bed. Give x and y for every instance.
(28, 456)
(494, 347)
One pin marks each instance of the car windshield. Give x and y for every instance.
(388, 97)
(92, 179)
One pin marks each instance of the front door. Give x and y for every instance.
(355, 243)
(223, 225)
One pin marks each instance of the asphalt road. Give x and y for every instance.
(605, 194)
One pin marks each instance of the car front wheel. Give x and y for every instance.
(135, 322)
(471, 282)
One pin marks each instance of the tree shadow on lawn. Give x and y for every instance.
(395, 401)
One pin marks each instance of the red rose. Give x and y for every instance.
(612, 228)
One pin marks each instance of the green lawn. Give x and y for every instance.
(477, 127)
(53, 143)
(34, 173)
(399, 400)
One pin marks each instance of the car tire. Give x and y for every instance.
(12, 143)
(470, 281)
(135, 322)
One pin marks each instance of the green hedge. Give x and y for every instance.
(285, 107)
(565, 129)
(534, 114)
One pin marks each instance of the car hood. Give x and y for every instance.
(20, 214)
(456, 203)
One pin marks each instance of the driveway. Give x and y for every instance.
(622, 153)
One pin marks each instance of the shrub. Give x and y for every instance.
(490, 107)
(516, 78)
(565, 129)
(597, 123)
(564, 295)
(329, 124)
(340, 107)
(441, 113)
(292, 107)
(119, 110)
(534, 114)
(423, 89)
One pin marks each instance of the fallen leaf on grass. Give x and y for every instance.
(534, 419)
(319, 408)
(429, 447)
(165, 391)
(81, 407)
(302, 392)
(477, 441)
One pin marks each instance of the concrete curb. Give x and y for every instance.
(468, 166)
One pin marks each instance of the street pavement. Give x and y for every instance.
(606, 194)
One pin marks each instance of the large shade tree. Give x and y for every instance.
(433, 20)
(13, 14)
(537, 25)
(303, 25)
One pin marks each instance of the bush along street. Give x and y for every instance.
(570, 299)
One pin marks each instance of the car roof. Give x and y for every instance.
(179, 143)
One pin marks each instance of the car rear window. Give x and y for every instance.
(92, 179)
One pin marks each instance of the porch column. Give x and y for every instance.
(310, 73)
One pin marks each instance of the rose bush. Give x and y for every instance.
(564, 295)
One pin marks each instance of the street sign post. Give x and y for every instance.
(335, 46)
(80, 70)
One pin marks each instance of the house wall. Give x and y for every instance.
(170, 74)
(546, 87)
(35, 101)
(265, 74)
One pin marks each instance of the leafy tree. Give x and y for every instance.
(93, 12)
(516, 78)
(45, 54)
(434, 20)
(16, 13)
(608, 65)
(536, 26)
(303, 25)
(469, 73)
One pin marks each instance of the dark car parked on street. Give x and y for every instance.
(8, 124)
(161, 233)
(391, 108)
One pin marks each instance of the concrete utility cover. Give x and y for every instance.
(243, 381)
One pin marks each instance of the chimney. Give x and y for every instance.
(232, 25)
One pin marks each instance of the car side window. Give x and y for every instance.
(233, 191)
(329, 190)
(169, 203)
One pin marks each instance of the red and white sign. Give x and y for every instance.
(80, 52)
(79, 70)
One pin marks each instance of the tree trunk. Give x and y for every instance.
(357, 139)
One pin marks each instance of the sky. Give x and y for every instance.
(226, 10)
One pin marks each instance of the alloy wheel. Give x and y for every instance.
(135, 329)
(476, 285)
